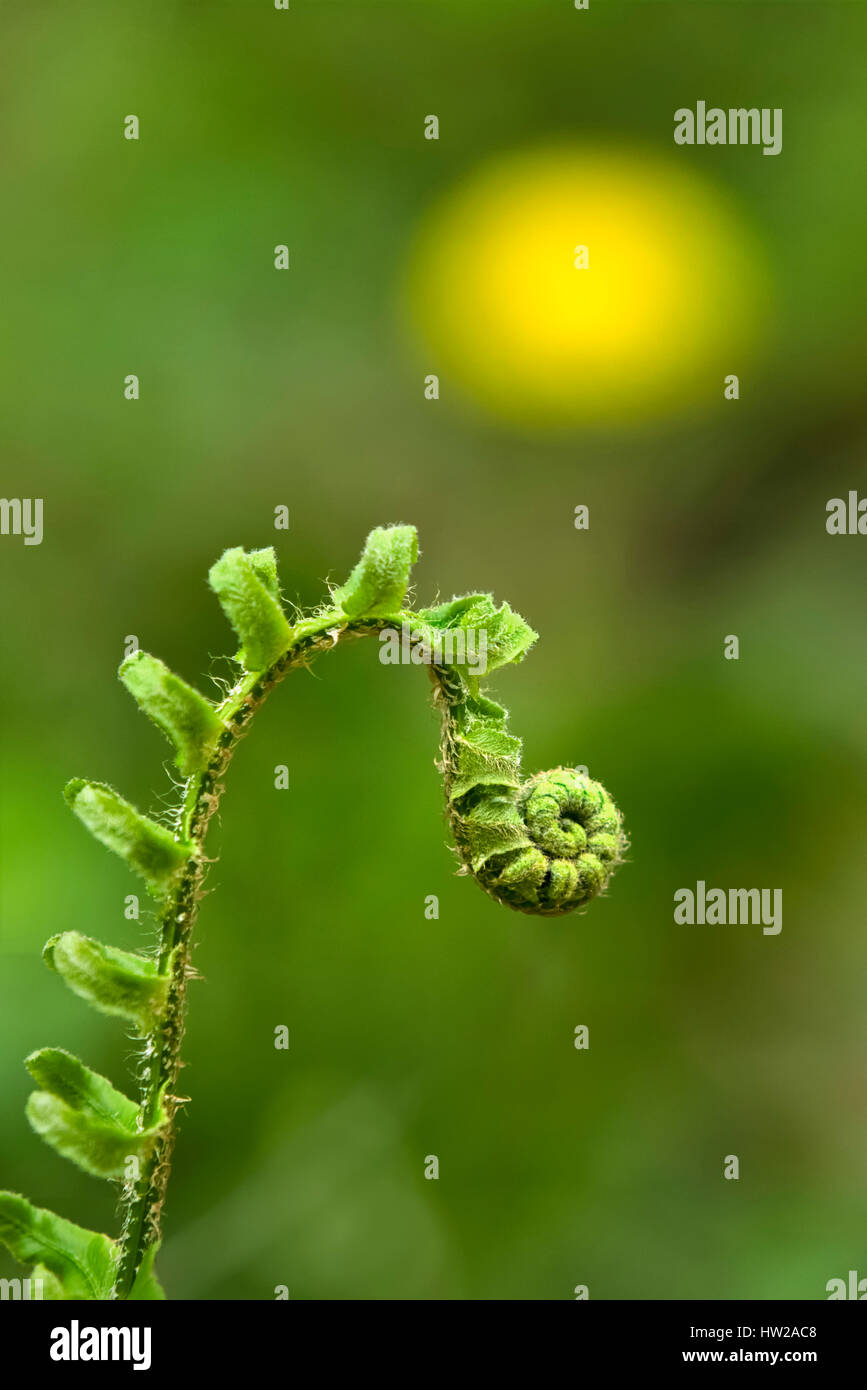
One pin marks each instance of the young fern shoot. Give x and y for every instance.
(543, 845)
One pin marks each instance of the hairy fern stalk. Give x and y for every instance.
(544, 845)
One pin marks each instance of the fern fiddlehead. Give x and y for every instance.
(544, 845)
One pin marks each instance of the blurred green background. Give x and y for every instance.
(454, 1037)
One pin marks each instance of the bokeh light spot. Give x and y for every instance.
(672, 299)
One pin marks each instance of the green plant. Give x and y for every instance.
(546, 845)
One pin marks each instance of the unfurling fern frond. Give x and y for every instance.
(546, 845)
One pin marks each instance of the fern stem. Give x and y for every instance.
(143, 1200)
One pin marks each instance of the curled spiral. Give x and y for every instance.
(546, 845)
(575, 833)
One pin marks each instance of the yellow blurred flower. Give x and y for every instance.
(670, 301)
